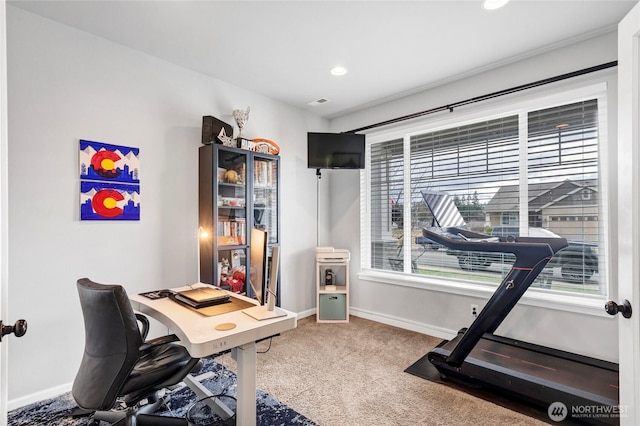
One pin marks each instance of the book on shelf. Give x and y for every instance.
(232, 232)
(226, 240)
(265, 173)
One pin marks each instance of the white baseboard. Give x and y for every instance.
(38, 396)
(306, 313)
(439, 332)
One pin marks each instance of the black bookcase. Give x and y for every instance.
(238, 190)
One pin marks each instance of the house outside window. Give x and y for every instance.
(515, 174)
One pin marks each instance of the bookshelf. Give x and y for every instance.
(238, 190)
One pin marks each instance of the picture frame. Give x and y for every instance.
(215, 130)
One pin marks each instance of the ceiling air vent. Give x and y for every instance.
(318, 102)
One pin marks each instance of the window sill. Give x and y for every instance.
(587, 305)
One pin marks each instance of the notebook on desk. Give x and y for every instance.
(231, 305)
(202, 297)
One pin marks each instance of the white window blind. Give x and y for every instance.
(469, 163)
(564, 188)
(387, 198)
(480, 166)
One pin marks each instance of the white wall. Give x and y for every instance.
(66, 85)
(444, 313)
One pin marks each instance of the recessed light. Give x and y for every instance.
(339, 70)
(494, 4)
(318, 102)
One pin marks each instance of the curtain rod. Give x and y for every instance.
(522, 87)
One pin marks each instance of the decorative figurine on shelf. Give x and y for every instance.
(236, 283)
(226, 140)
(329, 277)
(235, 175)
(265, 145)
(231, 176)
(241, 117)
(224, 269)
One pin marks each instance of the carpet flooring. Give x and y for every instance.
(352, 374)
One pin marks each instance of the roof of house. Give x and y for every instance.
(541, 195)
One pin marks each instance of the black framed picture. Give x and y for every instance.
(215, 131)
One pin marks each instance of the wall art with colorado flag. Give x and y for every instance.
(109, 181)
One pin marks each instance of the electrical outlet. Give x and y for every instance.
(474, 310)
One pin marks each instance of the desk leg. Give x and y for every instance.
(245, 356)
(198, 388)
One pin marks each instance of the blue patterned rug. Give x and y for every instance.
(57, 411)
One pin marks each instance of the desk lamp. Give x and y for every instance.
(202, 235)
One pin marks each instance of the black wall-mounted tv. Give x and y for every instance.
(335, 151)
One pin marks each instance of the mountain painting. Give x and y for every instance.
(106, 162)
(109, 201)
(109, 181)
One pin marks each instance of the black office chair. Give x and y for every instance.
(119, 365)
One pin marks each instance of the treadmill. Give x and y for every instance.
(587, 387)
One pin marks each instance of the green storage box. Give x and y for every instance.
(333, 307)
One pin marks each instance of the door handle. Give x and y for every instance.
(19, 329)
(613, 308)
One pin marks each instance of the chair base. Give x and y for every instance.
(137, 416)
(142, 420)
(134, 419)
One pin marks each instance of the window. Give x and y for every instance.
(509, 218)
(534, 172)
(387, 200)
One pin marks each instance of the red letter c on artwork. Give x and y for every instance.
(104, 203)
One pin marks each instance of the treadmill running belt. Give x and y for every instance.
(598, 383)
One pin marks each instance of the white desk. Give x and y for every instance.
(198, 335)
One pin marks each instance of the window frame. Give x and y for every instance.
(519, 104)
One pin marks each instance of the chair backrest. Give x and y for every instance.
(112, 342)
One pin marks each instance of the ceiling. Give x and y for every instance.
(284, 49)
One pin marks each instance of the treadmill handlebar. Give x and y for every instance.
(528, 250)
